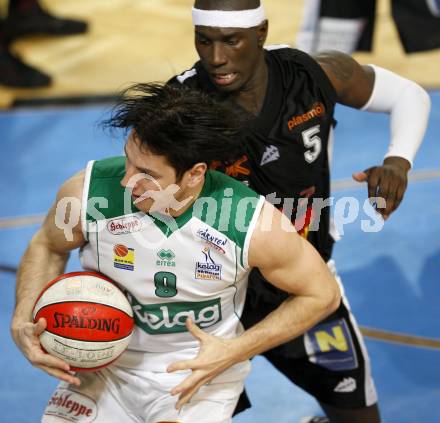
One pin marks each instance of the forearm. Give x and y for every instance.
(38, 266)
(293, 265)
(291, 319)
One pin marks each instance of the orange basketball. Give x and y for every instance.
(120, 250)
(89, 320)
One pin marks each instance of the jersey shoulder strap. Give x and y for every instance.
(231, 208)
(103, 192)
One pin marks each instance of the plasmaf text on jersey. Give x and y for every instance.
(317, 110)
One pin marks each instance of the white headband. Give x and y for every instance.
(229, 18)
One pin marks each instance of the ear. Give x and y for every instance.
(196, 175)
(262, 30)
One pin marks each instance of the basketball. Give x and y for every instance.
(89, 320)
(120, 250)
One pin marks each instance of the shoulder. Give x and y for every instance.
(336, 65)
(352, 82)
(275, 241)
(72, 187)
(62, 230)
(103, 190)
(237, 189)
(297, 67)
(102, 177)
(188, 77)
(231, 208)
(286, 53)
(105, 168)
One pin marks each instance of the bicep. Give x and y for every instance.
(61, 231)
(352, 82)
(284, 258)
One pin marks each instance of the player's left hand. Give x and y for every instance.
(214, 357)
(388, 181)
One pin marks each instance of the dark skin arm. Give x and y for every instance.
(354, 84)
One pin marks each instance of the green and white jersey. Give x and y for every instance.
(195, 265)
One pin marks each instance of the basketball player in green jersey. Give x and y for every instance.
(193, 235)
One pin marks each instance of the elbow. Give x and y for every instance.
(417, 95)
(336, 300)
(417, 98)
(333, 298)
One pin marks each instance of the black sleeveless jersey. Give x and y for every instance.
(286, 144)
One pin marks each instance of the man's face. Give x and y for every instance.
(145, 171)
(229, 55)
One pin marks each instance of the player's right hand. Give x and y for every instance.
(26, 336)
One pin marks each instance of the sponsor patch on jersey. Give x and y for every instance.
(165, 318)
(71, 406)
(166, 258)
(208, 269)
(123, 257)
(317, 110)
(124, 225)
(330, 345)
(214, 240)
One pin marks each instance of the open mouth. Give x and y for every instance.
(224, 78)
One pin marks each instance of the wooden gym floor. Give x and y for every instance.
(145, 40)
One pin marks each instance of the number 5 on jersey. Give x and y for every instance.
(312, 142)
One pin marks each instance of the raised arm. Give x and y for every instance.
(375, 89)
(293, 265)
(45, 259)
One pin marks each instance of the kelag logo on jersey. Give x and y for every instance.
(330, 345)
(160, 319)
(208, 270)
(123, 257)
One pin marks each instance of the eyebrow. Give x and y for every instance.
(223, 36)
(143, 169)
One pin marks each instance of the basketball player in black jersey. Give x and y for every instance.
(291, 97)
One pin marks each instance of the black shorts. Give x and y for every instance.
(330, 361)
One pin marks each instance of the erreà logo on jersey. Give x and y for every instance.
(165, 318)
(124, 225)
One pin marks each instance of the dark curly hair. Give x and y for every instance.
(182, 124)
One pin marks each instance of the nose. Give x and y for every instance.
(129, 172)
(218, 56)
